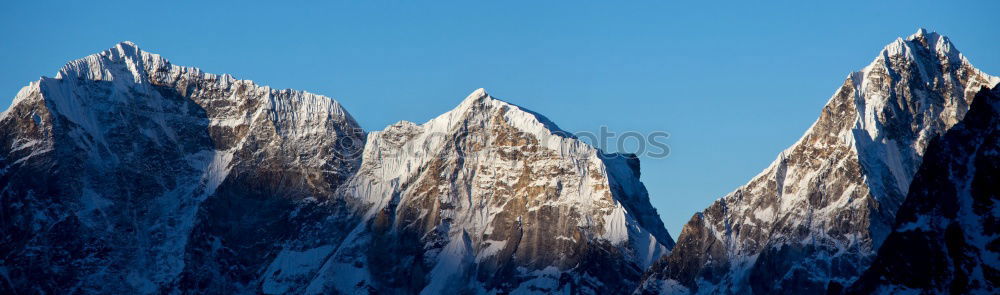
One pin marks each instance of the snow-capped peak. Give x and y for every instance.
(913, 46)
(478, 93)
(480, 103)
(477, 97)
(837, 189)
(128, 48)
(128, 43)
(125, 59)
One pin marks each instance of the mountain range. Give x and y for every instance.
(127, 174)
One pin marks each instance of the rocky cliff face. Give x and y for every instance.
(822, 209)
(126, 174)
(946, 233)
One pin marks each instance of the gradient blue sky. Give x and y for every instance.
(734, 83)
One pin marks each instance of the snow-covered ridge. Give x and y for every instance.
(123, 60)
(138, 68)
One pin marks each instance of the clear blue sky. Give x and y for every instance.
(734, 83)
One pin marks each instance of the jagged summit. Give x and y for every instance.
(923, 45)
(125, 58)
(923, 33)
(931, 40)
